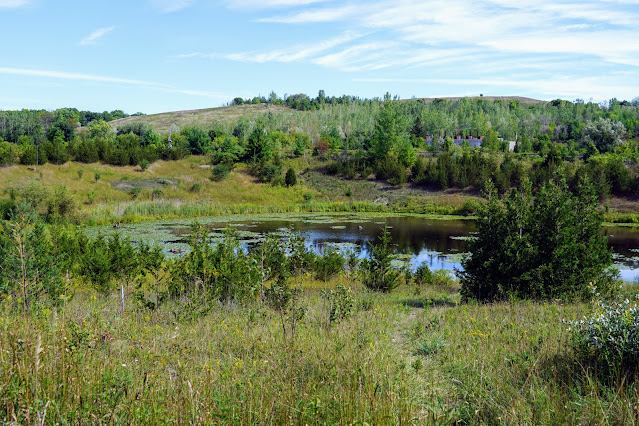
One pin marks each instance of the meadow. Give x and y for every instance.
(416, 356)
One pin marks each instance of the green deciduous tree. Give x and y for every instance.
(604, 134)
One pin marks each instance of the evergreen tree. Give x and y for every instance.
(544, 246)
(291, 178)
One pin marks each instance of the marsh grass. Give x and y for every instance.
(399, 358)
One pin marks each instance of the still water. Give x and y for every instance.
(439, 243)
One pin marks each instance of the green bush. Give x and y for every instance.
(328, 265)
(340, 303)
(9, 154)
(544, 246)
(30, 264)
(220, 172)
(135, 192)
(608, 339)
(291, 178)
(378, 274)
(423, 275)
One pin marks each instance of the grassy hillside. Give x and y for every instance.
(184, 188)
(307, 121)
(202, 117)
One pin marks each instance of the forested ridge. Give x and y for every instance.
(385, 139)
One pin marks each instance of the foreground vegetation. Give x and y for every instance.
(398, 359)
(103, 331)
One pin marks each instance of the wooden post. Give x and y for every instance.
(122, 298)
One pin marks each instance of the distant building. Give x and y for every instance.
(472, 142)
(459, 141)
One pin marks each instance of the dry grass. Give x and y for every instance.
(402, 358)
(203, 118)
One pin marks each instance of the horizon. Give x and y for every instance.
(159, 56)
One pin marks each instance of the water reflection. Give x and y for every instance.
(439, 243)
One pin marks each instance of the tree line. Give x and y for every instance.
(364, 138)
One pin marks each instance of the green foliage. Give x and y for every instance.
(207, 273)
(291, 178)
(604, 134)
(259, 146)
(198, 140)
(423, 275)
(377, 272)
(52, 204)
(544, 246)
(607, 339)
(144, 164)
(328, 265)
(390, 129)
(156, 193)
(103, 260)
(9, 154)
(56, 149)
(30, 268)
(135, 192)
(340, 303)
(220, 172)
(228, 151)
(100, 129)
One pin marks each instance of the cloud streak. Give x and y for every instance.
(95, 35)
(107, 79)
(605, 30)
(12, 4)
(170, 6)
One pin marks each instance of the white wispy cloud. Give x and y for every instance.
(95, 35)
(290, 54)
(26, 72)
(543, 46)
(314, 16)
(10, 4)
(169, 6)
(265, 4)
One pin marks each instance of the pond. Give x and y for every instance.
(440, 243)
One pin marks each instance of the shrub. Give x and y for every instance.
(157, 193)
(291, 178)
(308, 197)
(196, 187)
(30, 267)
(608, 339)
(378, 274)
(544, 246)
(220, 172)
(340, 303)
(144, 164)
(135, 192)
(29, 155)
(328, 265)
(9, 154)
(423, 275)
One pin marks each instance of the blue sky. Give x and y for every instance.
(161, 55)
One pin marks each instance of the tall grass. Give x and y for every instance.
(137, 211)
(412, 356)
